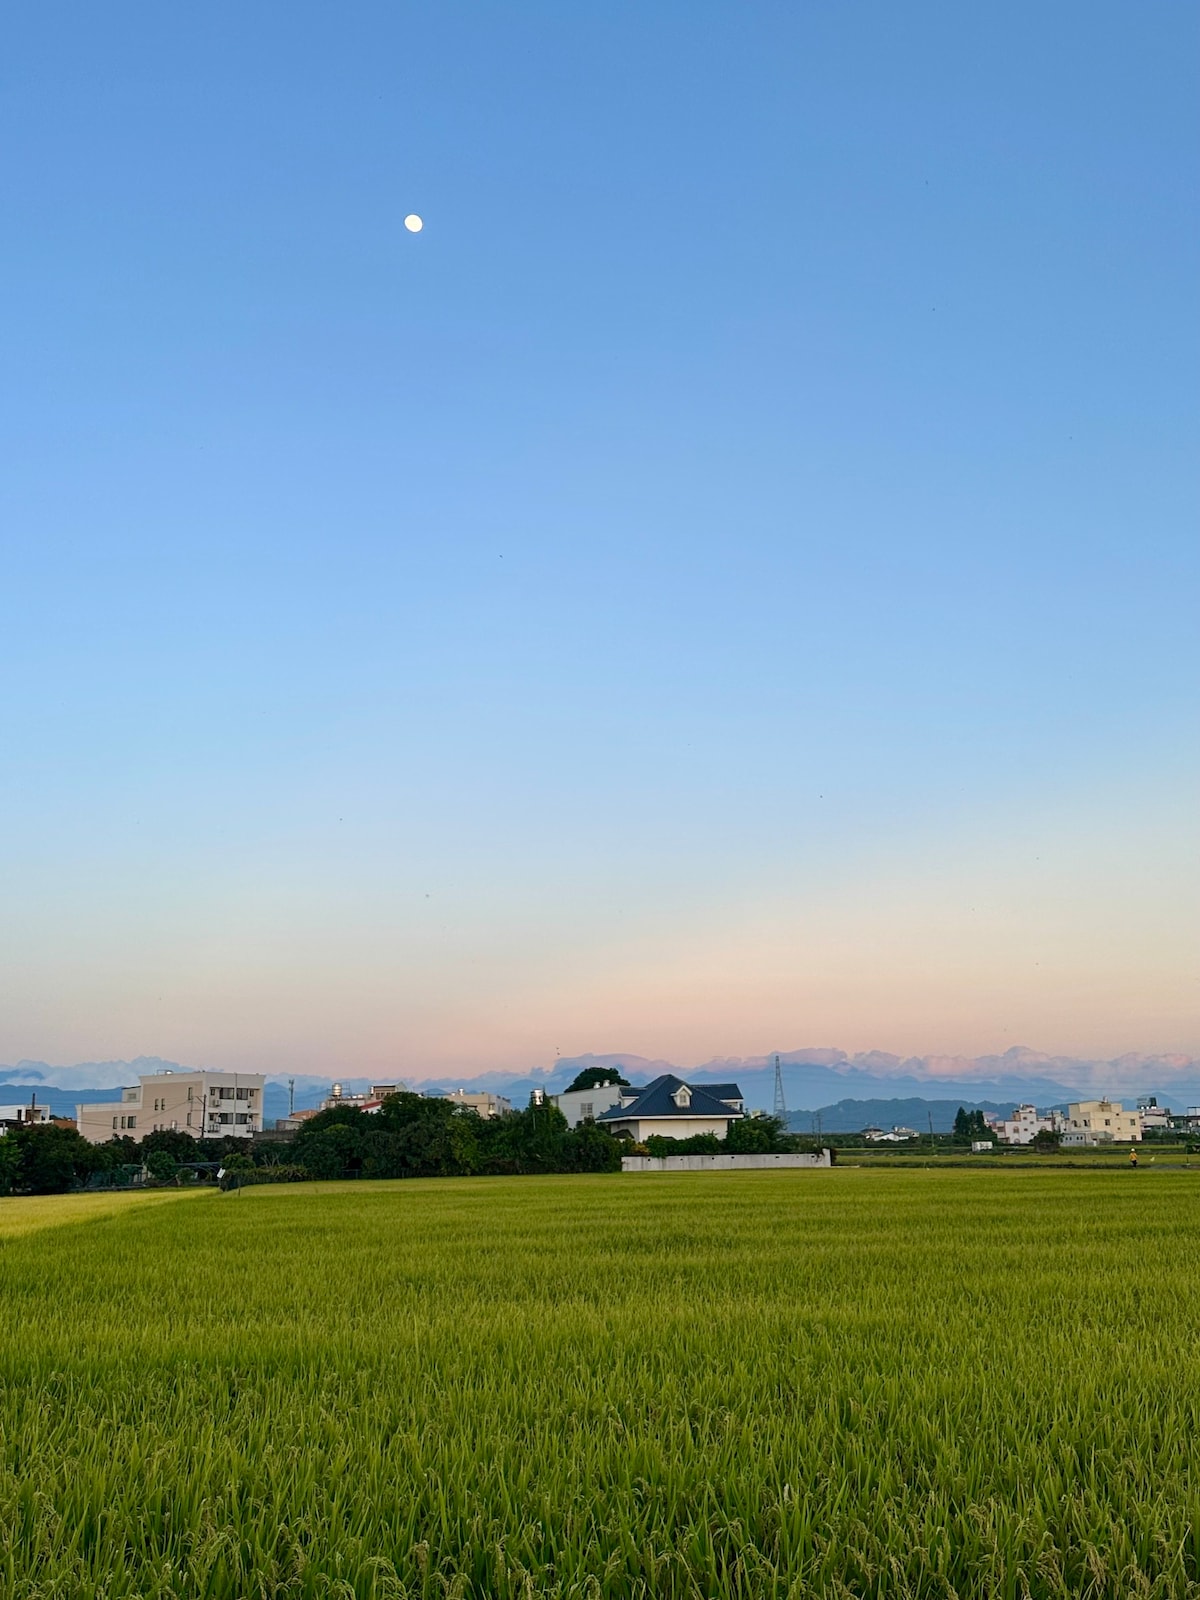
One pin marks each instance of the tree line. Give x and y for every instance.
(410, 1136)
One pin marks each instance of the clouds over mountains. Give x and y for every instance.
(813, 1077)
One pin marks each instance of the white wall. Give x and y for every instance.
(720, 1163)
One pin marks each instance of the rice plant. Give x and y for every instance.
(848, 1383)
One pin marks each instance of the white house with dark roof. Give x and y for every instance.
(675, 1109)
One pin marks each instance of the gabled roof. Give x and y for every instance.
(656, 1100)
(722, 1091)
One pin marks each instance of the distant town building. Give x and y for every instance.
(674, 1109)
(1023, 1126)
(365, 1100)
(1092, 1122)
(23, 1116)
(896, 1135)
(484, 1104)
(1154, 1117)
(208, 1105)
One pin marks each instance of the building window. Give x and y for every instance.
(189, 1119)
(133, 1122)
(114, 1124)
(189, 1093)
(585, 1109)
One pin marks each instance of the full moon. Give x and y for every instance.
(413, 222)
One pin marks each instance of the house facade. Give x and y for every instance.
(585, 1105)
(1023, 1126)
(674, 1109)
(1091, 1122)
(208, 1105)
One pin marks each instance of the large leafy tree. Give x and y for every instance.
(597, 1078)
(53, 1159)
(755, 1136)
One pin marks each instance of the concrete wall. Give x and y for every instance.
(719, 1163)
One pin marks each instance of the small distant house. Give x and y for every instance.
(24, 1116)
(674, 1109)
(897, 1135)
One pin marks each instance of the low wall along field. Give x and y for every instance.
(836, 1383)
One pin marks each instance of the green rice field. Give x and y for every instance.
(841, 1383)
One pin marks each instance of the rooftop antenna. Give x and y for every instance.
(780, 1102)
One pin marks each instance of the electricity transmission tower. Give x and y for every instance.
(780, 1102)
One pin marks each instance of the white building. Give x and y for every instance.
(584, 1105)
(1023, 1126)
(1153, 1115)
(208, 1105)
(369, 1100)
(23, 1116)
(1092, 1122)
(896, 1135)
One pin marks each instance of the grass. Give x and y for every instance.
(865, 1383)
(58, 1210)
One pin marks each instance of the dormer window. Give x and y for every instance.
(682, 1097)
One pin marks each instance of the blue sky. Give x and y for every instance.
(729, 582)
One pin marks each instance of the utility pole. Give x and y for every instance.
(291, 1096)
(932, 1145)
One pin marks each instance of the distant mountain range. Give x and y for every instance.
(813, 1079)
(852, 1116)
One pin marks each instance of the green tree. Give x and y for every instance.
(597, 1078)
(161, 1165)
(10, 1164)
(53, 1159)
(330, 1152)
(969, 1125)
(590, 1148)
(414, 1137)
(1045, 1140)
(696, 1144)
(754, 1136)
(175, 1142)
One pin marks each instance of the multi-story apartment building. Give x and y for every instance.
(208, 1105)
(1023, 1126)
(1100, 1122)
